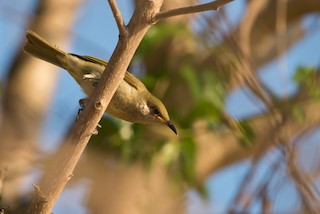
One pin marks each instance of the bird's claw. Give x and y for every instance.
(95, 132)
(82, 103)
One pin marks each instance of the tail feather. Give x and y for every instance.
(41, 49)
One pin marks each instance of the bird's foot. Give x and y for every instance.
(95, 132)
(82, 103)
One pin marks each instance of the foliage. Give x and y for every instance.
(158, 35)
(307, 77)
(207, 92)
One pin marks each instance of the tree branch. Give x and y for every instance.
(61, 168)
(190, 9)
(118, 17)
(302, 182)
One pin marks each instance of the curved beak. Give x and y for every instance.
(171, 126)
(168, 123)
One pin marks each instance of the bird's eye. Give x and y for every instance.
(155, 111)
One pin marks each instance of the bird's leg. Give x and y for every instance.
(92, 78)
(82, 103)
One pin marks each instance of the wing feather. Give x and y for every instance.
(129, 77)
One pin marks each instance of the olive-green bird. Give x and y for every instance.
(131, 102)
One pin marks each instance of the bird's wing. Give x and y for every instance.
(134, 81)
(92, 59)
(129, 77)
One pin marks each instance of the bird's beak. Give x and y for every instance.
(168, 123)
(171, 126)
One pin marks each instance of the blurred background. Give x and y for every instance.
(240, 84)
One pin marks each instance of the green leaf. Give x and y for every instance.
(157, 35)
(304, 75)
(245, 133)
(214, 90)
(299, 114)
(192, 80)
(187, 159)
(307, 78)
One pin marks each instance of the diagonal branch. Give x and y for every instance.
(118, 17)
(60, 170)
(190, 9)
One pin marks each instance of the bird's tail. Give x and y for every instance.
(41, 49)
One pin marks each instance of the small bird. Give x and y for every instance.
(131, 102)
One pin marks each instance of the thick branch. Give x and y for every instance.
(61, 169)
(191, 9)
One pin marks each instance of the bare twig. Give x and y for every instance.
(302, 182)
(118, 17)
(309, 178)
(245, 69)
(298, 178)
(191, 9)
(281, 39)
(239, 197)
(38, 191)
(241, 202)
(254, 8)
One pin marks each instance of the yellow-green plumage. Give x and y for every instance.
(131, 102)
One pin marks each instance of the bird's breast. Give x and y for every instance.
(126, 103)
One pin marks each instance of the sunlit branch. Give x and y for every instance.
(190, 9)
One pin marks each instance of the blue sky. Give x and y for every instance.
(95, 33)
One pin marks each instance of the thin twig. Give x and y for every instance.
(190, 9)
(281, 39)
(118, 17)
(304, 185)
(245, 68)
(242, 187)
(299, 180)
(38, 191)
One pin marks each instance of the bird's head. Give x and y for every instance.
(157, 112)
